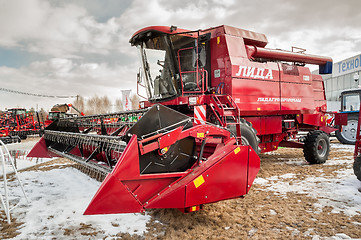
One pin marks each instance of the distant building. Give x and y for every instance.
(345, 75)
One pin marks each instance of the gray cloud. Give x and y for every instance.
(83, 44)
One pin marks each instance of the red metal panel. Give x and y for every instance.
(271, 125)
(219, 50)
(319, 95)
(75, 151)
(113, 197)
(127, 166)
(144, 189)
(256, 95)
(254, 165)
(249, 37)
(235, 47)
(266, 125)
(291, 90)
(318, 84)
(40, 150)
(227, 179)
(297, 98)
(244, 68)
(224, 176)
(313, 119)
(341, 119)
(173, 197)
(164, 29)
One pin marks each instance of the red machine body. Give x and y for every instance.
(217, 98)
(228, 173)
(272, 89)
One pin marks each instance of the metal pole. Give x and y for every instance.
(6, 205)
(15, 171)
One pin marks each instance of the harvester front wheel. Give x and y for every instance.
(357, 167)
(317, 147)
(249, 136)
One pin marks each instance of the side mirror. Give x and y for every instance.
(139, 76)
(199, 58)
(204, 38)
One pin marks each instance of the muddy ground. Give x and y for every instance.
(262, 214)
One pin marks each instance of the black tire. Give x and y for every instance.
(23, 136)
(316, 147)
(348, 134)
(357, 167)
(248, 135)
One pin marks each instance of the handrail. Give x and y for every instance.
(204, 80)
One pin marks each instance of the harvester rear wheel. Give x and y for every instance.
(357, 167)
(317, 147)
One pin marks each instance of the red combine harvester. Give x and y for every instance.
(217, 98)
(61, 111)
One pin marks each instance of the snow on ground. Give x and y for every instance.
(58, 199)
(341, 191)
(344, 147)
(18, 151)
(26, 145)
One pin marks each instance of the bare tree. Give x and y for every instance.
(91, 105)
(79, 104)
(98, 105)
(135, 101)
(105, 105)
(118, 105)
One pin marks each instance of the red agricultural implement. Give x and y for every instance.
(215, 99)
(61, 111)
(16, 124)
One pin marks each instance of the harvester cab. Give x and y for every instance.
(173, 62)
(215, 99)
(61, 111)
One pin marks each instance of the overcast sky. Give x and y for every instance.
(73, 47)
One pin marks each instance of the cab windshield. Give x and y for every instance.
(56, 115)
(168, 66)
(351, 102)
(158, 69)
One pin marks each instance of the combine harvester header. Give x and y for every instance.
(215, 99)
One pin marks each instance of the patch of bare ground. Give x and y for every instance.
(262, 214)
(8, 230)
